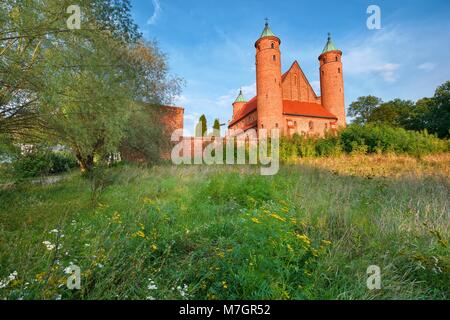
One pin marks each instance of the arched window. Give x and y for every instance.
(339, 70)
(262, 126)
(336, 59)
(295, 79)
(323, 72)
(274, 58)
(273, 45)
(276, 125)
(311, 125)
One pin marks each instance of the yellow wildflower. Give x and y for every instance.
(290, 248)
(255, 220)
(154, 247)
(116, 217)
(139, 234)
(221, 255)
(224, 284)
(304, 238)
(274, 215)
(326, 242)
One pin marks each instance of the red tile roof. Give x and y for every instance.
(290, 107)
(247, 108)
(302, 108)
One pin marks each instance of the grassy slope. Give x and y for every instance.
(225, 232)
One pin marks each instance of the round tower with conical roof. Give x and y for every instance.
(332, 81)
(238, 103)
(268, 81)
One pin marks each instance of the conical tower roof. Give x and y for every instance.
(330, 45)
(240, 97)
(267, 32)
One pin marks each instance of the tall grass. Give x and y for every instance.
(205, 232)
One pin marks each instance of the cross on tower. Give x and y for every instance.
(267, 21)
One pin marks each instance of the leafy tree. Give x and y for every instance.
(439, 115)
(76, 86)
(202, 127)
(397, 113)
(31, 28)
(362, 108)
(216, 128)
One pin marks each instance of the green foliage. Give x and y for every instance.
(145, 136)
(216, 128)
(227, 233)
(356, 139)
(201, 127)
(76, 88)
(42, 163)
(431, 114)
(373, 138)
(362, 108)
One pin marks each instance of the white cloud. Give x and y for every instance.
(371, 56)
(157, 10)
(387, 71)
(427, 66)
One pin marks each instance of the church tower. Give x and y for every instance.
(268, 81)
(332, 81)
(238, 104)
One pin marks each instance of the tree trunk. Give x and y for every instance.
(86, 163)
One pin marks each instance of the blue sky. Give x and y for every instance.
(210, 44)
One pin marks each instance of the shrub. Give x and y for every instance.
(382, 138)
(357, 139)
(43, 162)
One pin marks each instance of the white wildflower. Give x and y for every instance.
(183, 290)
(4, 283)
(54, 231)
(151, 285)
(50, 246)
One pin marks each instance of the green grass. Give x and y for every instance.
(204, 232)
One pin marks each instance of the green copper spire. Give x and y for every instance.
(240, 97)
(267, 32)
(330, 45)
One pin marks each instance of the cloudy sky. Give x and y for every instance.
(210, 44)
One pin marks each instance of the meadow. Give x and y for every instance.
(225, 232)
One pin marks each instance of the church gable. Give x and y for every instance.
(296, 86)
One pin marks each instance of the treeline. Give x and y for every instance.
(87, 89)
(363, 139)
(431, 114)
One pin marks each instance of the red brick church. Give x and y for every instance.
(288, 101)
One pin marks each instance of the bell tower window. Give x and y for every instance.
(273, 45)
(274, 57)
